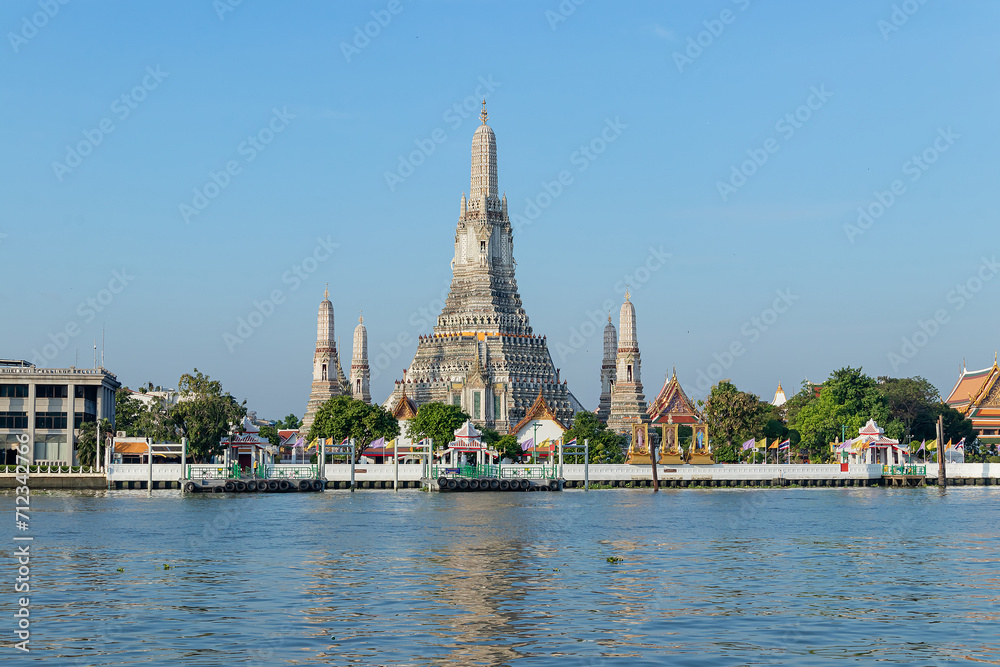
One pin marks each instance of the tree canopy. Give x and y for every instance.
(437, 421)
(86, 444)
(346, 417)
(605, 446)
(204, 414)
(733, 415)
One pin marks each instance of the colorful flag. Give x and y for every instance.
(300, 441)
(748, 444)
(774, 445)
(783, 446)
(960, 445)
(571, 443)
(923, 443)
(377, 444)
(932, 445)
(527, 444)
(346, 440)
(947, 445)
(762, 446)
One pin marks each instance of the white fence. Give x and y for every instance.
(966, 470)
(608, 472)
(135, 472)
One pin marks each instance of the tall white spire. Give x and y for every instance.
(484, 162)
(608, 371)
(628, 403)
(359, 364)
(324, 322)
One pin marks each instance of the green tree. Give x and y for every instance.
(913, 402)
(605, 446)
(204, 414)
(345, 417)
(289, 422)
(127, 411)
(956, 426)
(270, 433)
(437, 421)
(848, 399)
(509, 447)
(733, 415)
(86, 444)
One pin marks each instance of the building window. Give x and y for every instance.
(324, 371)
(51, 391)
(477, 399)
(629, 373)
(13, 391)
(55, 420)
(13, 420)
(88, 393)
(82, 418)
(456, 400)
(496, 407)
(51, 448)
(482, 247)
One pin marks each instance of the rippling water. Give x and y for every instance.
(792, 576)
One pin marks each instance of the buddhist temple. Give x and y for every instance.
(483, 355)
(669, 411)
(977, 396)
(628, 404)
(608, 370)
(549, 427)
(328, 377)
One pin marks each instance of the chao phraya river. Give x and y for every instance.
(715, 577)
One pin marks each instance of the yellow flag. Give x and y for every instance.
(761, 445)
(931, 446)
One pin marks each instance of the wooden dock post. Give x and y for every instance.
(942, 473)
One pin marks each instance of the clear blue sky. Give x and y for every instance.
(885, 96)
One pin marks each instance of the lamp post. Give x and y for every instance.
(534, 442)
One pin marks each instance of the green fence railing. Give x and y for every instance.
(914, 471)
(234, 471)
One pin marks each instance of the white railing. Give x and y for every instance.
(619, 472)
(135, 472)
(366, 472)
(51, 469)
(965, 470)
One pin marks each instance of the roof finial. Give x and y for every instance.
(326, 292)
(361, 316)
(482, 114)
(627, 295)
(675, 370)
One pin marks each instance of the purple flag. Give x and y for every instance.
(748, 444)
(527, 444)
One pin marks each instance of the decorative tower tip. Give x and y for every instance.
(482, 114)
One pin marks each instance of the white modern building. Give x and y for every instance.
(49, 404)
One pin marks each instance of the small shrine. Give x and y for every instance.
(639, 450)
(871, 446)
(468, 440)
(670, 410)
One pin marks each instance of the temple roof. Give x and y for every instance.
(467, 430)
(538, 410)
(405, 408)
(974, 388)
(673, 402)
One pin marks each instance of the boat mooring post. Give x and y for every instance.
(942, 473)
(560, 457)
(586, 465)
(184, 452)
(321, 468)
(395, 465)
(149, 455)
(352, 465)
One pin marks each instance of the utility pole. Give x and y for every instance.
(942, 476)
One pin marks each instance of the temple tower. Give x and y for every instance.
(359, 364)
(482, 354)
(608, 370)
(328, 380)
(628, 404)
